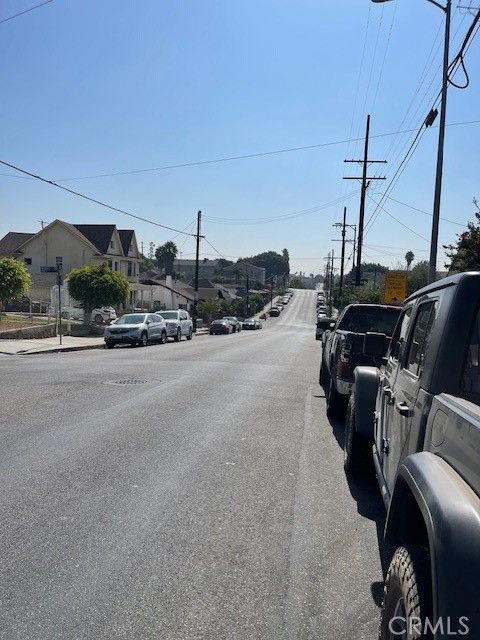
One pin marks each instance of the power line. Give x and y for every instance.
(427, 213)
(242, 157)
(21, 13)
(380, 206)
(288, 216)
(90, 199)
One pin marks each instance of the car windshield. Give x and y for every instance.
(132, 318)
(375, 319)
(219, 322)
(230, 318)
(322, 323)
(169, 315)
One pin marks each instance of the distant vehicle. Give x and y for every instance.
(235, 322)
(280, 306)
(415, 419)
(343, 349)
(99, 315)
(285, 300)
(220, 326)
(323, 324)
(249, 323)
(258, 323)
(179, 324)
(136, 329)
(274, 312)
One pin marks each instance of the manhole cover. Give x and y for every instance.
(130, 381)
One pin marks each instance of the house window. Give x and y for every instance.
(116, 266)
(110, 264)
(129, 269)
(111, 244)
(28, 261)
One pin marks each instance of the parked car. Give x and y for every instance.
(249, 323)
(258, 323)
(179, 324)
(235, 322)
(323, 324)
(100, 315)
(274, 312)
(136, 329)
(220, 326)
(343, 349)
(417, 418)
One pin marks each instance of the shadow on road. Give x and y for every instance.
(364, 490)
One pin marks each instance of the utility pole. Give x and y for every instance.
(432, 268)
(247, 300)
(197, 260)
(343, 226)
(365, 182)
(331, 283)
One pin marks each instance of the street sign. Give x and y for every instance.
(395, 287)
(48, 269)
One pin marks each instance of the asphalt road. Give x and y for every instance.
(183, 491)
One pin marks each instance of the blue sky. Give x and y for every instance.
(97, 87)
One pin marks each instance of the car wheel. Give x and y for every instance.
(178, 335)
(335, 401)
(407, 596)
(143, 339)
(163, 337)
(190, 334)
(98, 319)
(109, 344)
(357, 455)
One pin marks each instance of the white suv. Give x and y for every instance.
(179, 323)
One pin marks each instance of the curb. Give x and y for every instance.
(58, 349)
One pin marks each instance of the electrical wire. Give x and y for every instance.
(427, 213)
(380, 206)
(21, 13)
(90, 199)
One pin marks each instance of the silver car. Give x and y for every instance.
(136, 329)
(179, 324)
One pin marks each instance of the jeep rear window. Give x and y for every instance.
(375, 319)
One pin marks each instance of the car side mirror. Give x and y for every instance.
(148, 321)
(332, 324)
(375, 345)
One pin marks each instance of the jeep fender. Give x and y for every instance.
(428, 487)
(365, 390)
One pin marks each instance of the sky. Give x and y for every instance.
(92, 88)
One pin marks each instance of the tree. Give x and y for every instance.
(273, 263)
(296, 283)
(368, 293)
(465, 254)
(409, 258)
(417, 277)
(165, 255)
(286, 257)
(14, 280)
(96, 286)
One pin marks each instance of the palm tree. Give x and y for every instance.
(165, 255)
(409, 257)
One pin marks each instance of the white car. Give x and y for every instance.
(179, 324)
(101, 315)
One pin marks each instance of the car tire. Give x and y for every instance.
(98, 319)
(357, 454)
(163, 337)
(109, 344)
(335, 401)
(407, 595)
(143, 339)
(178, 335)
(190, 335)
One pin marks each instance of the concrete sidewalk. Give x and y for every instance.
(50, 345)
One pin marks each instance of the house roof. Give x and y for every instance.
(12, 240)
(98, 234)
(126, 236)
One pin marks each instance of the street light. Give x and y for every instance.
(447, 9)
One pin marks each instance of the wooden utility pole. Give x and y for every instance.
(197, 261)
(365, 182)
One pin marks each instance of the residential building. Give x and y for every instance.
(185, 269)
(73, 245)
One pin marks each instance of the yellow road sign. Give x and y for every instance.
(395, 287)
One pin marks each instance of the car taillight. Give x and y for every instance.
(344, 360)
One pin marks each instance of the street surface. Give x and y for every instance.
(203, 497)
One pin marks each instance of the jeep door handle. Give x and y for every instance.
(388, 393)
(403, 409)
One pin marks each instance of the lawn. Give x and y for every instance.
(8, 322)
